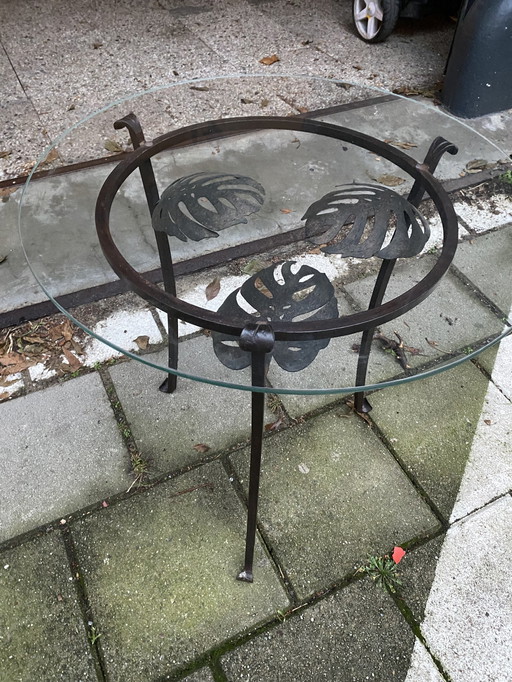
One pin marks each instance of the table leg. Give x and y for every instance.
(259, 339)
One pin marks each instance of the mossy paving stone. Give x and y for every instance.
(330, 495)
(357, 634)
(42, 635)
(160, 574)
(416, 572)
(431, 424)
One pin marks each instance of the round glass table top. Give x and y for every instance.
(367, 235)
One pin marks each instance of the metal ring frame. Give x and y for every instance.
(211, 130)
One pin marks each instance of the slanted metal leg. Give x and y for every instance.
(258, 338)
(361, 404)
(132, 123)
(436, 150)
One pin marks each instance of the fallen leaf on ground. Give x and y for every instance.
(390, 180)
(212, 289)
(113, 146)
(260, 286)
(267, 61)
(488, 422)
(252, 267)
(5, 153)
(6, 191)
(142, 342)
(477, 165)
(398, 554)
(401, 145)
(287, 210)
(273, 426)
(201, 447)
(53, 155)
(3, 258)
(199, 88)
(73, 361)
(245, 100)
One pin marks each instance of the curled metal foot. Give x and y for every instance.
(362, 406)
(168, 385)
(245, 576)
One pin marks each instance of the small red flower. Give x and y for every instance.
(398, 554)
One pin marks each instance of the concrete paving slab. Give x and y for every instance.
(431, 425)
(203, 675)
(498, 363)
(482, 215)
(416, 571)
(62, 451)
(357, 634)
(473, 259)
(43, 635)
(167, 426)
(451, 318)
(330, 495)
(467, 621)
(160, 573)
(488, 472)
(422, 668)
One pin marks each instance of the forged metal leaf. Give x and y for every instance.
(371, 211)
(279, 292)
(198, 205)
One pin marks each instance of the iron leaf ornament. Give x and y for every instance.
(284, 292)
(371, 210)
(198, 206)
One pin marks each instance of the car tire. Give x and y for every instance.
(374, 20)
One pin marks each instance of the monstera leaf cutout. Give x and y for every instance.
(198, 206)
(372, 210)
(278, 293)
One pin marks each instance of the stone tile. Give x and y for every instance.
(467, 621)
(166, 427)
(203, 675)
(431, 424)
(450, 317)
(160, 573)
(417, 570)
(330, 495)
(43, 636)
(473, 259)
(422, 668)
(499, 365)
(481, 215)
(488, 472)
(62, 451)
(357, 634)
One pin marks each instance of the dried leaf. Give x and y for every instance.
(401, 145)
(73, 361)
(476, 166)
(5, 153)
(199, 88)
(2, 258)
(245, 100)
(4, 395)
(212, 289)
(201, 447)
(287, 210)
(142, 341)
(274, 426)
(6, 191)
(252, 267)
(258, 283)
(303, 110)
(96, 46)
(113, 146)
(53, 155)
(267, 61)
(398, 554)
(488, 422)
(390, 180)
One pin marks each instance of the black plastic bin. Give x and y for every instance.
(479, 70)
